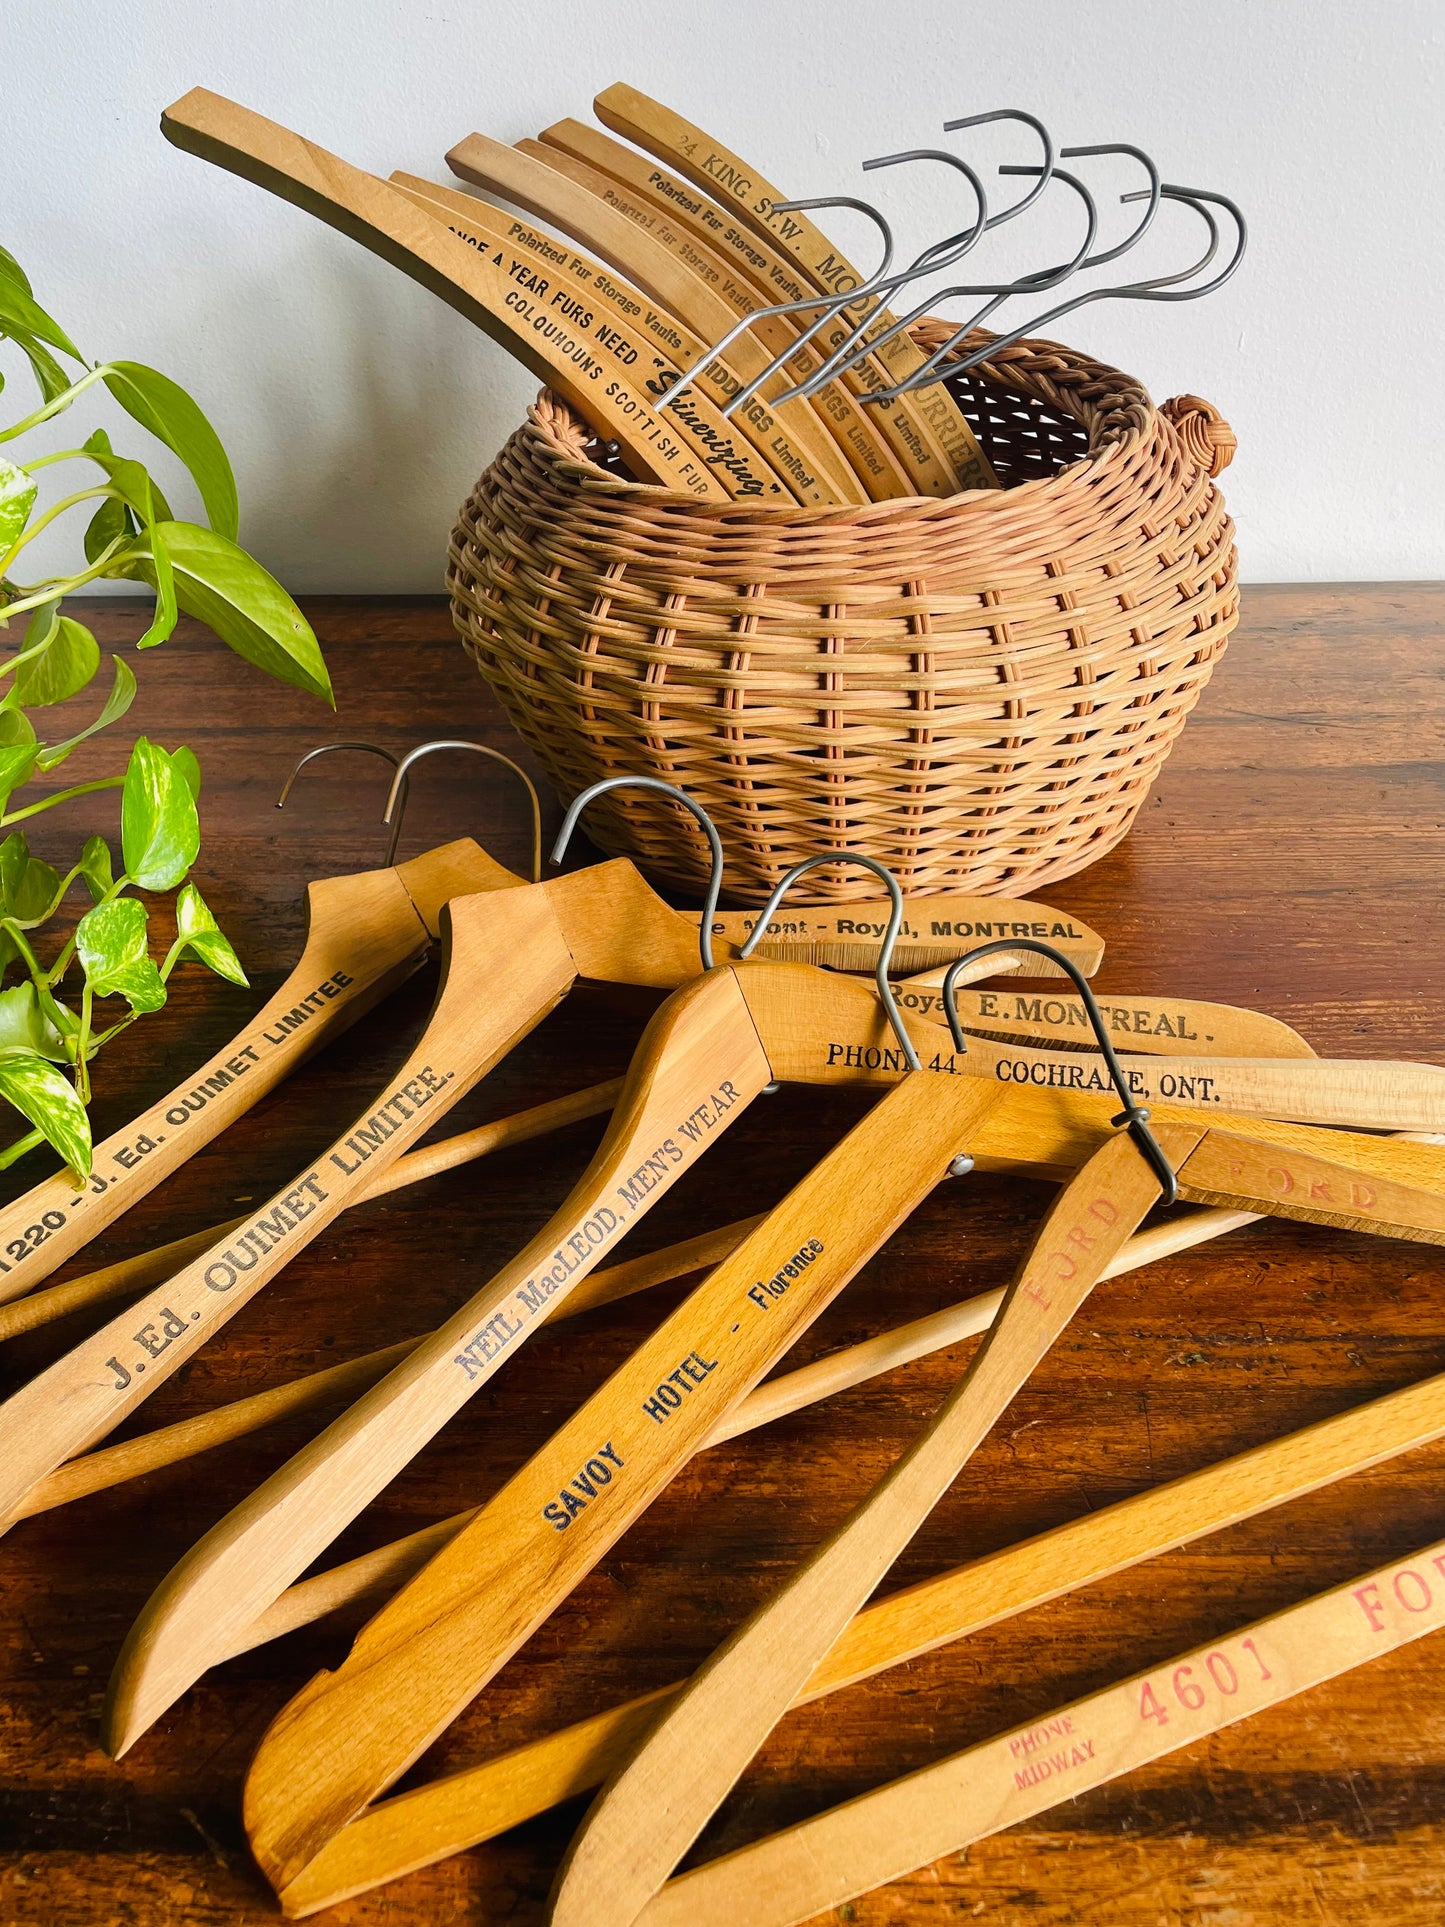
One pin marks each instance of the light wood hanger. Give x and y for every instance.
(955, 460)
(512, 954)
(651, 1811)
(687, 317)
(465, 1808)
(748, 294)
(500, 297)
(790, 445)
(288, 1828)
(881, 1836)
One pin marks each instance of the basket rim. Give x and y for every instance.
(555, 430)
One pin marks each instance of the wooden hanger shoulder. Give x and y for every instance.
(1156, 1026)
(530, 1545)
(820, 1029)
(484, 1005)
(864, 455)
(364, 936)
(694, 316)
(744, 268)
(649, 1814)
(955, 459)
(698, 1066)
(934, 931)
(500, 295)
(458, 869)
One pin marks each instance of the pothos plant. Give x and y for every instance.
(100, 979)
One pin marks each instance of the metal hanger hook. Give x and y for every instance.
(714, 882)
(397, 796)
(1045, 137)
(1135, 1116)
(890, 935)
(826, 304)
(328, 749)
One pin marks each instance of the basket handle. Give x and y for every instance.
(1208, 439)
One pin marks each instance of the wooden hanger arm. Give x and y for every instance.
(881, 1836)
(483, 1007)
(131, 1275)
(699, 1065)
(385, 222)
(935, 931)
(364, 937)
(1158, 1026)
(649, 1814)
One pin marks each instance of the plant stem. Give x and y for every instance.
(59, 405)
(61, 796)
(14, 1152)
(53, 590)
(56, 508)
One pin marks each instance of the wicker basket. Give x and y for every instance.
(978, 692)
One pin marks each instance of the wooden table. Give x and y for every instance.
(1289, 858)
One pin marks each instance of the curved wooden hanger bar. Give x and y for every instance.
(932, 424)
(865, 452)
(500, 296)
(693, 315)
(365, 935)
(793, 1876)
(646, 338)
(648, 1815)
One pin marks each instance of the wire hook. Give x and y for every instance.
(400, 785)
(714, 882)
(827, 303)
(890, 935)
(1134, 1116)
(328, 749)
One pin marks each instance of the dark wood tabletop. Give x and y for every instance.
(1289, 859)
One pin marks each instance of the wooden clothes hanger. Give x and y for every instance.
(749, 282)
(722, 1040)
(501, 295)
(661, 297)
(931, 416)
(395, 1836)
(703, 1742)
(350, 1734)
(365, 935)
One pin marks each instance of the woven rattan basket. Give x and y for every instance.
(977, 692)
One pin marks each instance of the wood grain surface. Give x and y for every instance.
(1294, 841)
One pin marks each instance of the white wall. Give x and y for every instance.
(358, 409)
